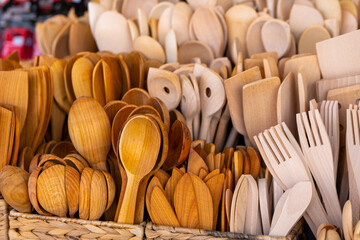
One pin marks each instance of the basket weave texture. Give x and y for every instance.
(33, 226)
(4, 219)
(156, 232)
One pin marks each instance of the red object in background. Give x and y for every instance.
(18, 38)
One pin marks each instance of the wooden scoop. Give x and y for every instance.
(81, 75)
(139, 147)
(89, 130)
(191, 49)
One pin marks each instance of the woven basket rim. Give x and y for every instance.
(230, 235)
(14, 213)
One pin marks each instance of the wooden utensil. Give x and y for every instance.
(179, 145)
(276, 36)
(129, 8)
(260, 95)
(138, 128)
(88, 118)
(329, 111)
(107, 34)
(212, 98)
(191, 49)
(136, 96)
(234, 93)
(315, 214)
(204, 203)
(308, 66)
(253, 36)
(18, 84)
(324, 157)
(215, 185)
(238, 206)
(329, 9)
(162, 110)
(180, 19)
(167, 88)
(189, 103)
(80, 38)
(286, 103)
(185, 202)
(301, 17)
(205, 16)
(338, 56)
(347, 221)
(81, 75)
(265, 204)
(309, 38)
(156, 51)
(171, 184)
(162, 211)
(283, 220)
(14, 188)
(238, 18)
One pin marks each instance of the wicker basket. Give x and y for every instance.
(4, 219)
(33, 226)
(164, 232)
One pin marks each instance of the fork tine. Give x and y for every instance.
(351, 106)
(349, 127)
(279, 143)
(308, 131)
(326, 121)
(314, 128)
(331, 119)
(267, 150)
(301, 131)
(322, 109)
(355, 121)
(324, 137)
(273, 146)
(285, 133)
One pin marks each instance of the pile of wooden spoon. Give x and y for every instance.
(197, 194)
(179, 31)
(61, 36)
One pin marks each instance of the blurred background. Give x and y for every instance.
(18, 18)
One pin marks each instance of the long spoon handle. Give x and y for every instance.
(127, 211)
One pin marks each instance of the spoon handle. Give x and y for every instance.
(140, 200)
(127, 211)
(189, 124)
(205, 124)
(196, 126)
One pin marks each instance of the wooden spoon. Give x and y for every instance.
(179, 145)
(112, 107)
(253, 36)
(276, 37)
(88, 118)
(156, 51)
(347, 221)
(189, 103)
(215, 185)
(191, 49)
(118, 123)
(81, 75)
(145, 136)
(107, 34)
(301, 17)
(212, 36)
(136, 65)
(309, 38)
(136, 96)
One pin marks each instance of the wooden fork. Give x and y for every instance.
(316, 146)
(353, 150)
(329, 111)
(283, 157)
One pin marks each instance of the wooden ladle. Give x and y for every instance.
(139, 146)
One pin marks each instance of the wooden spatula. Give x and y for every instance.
(260, 97)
